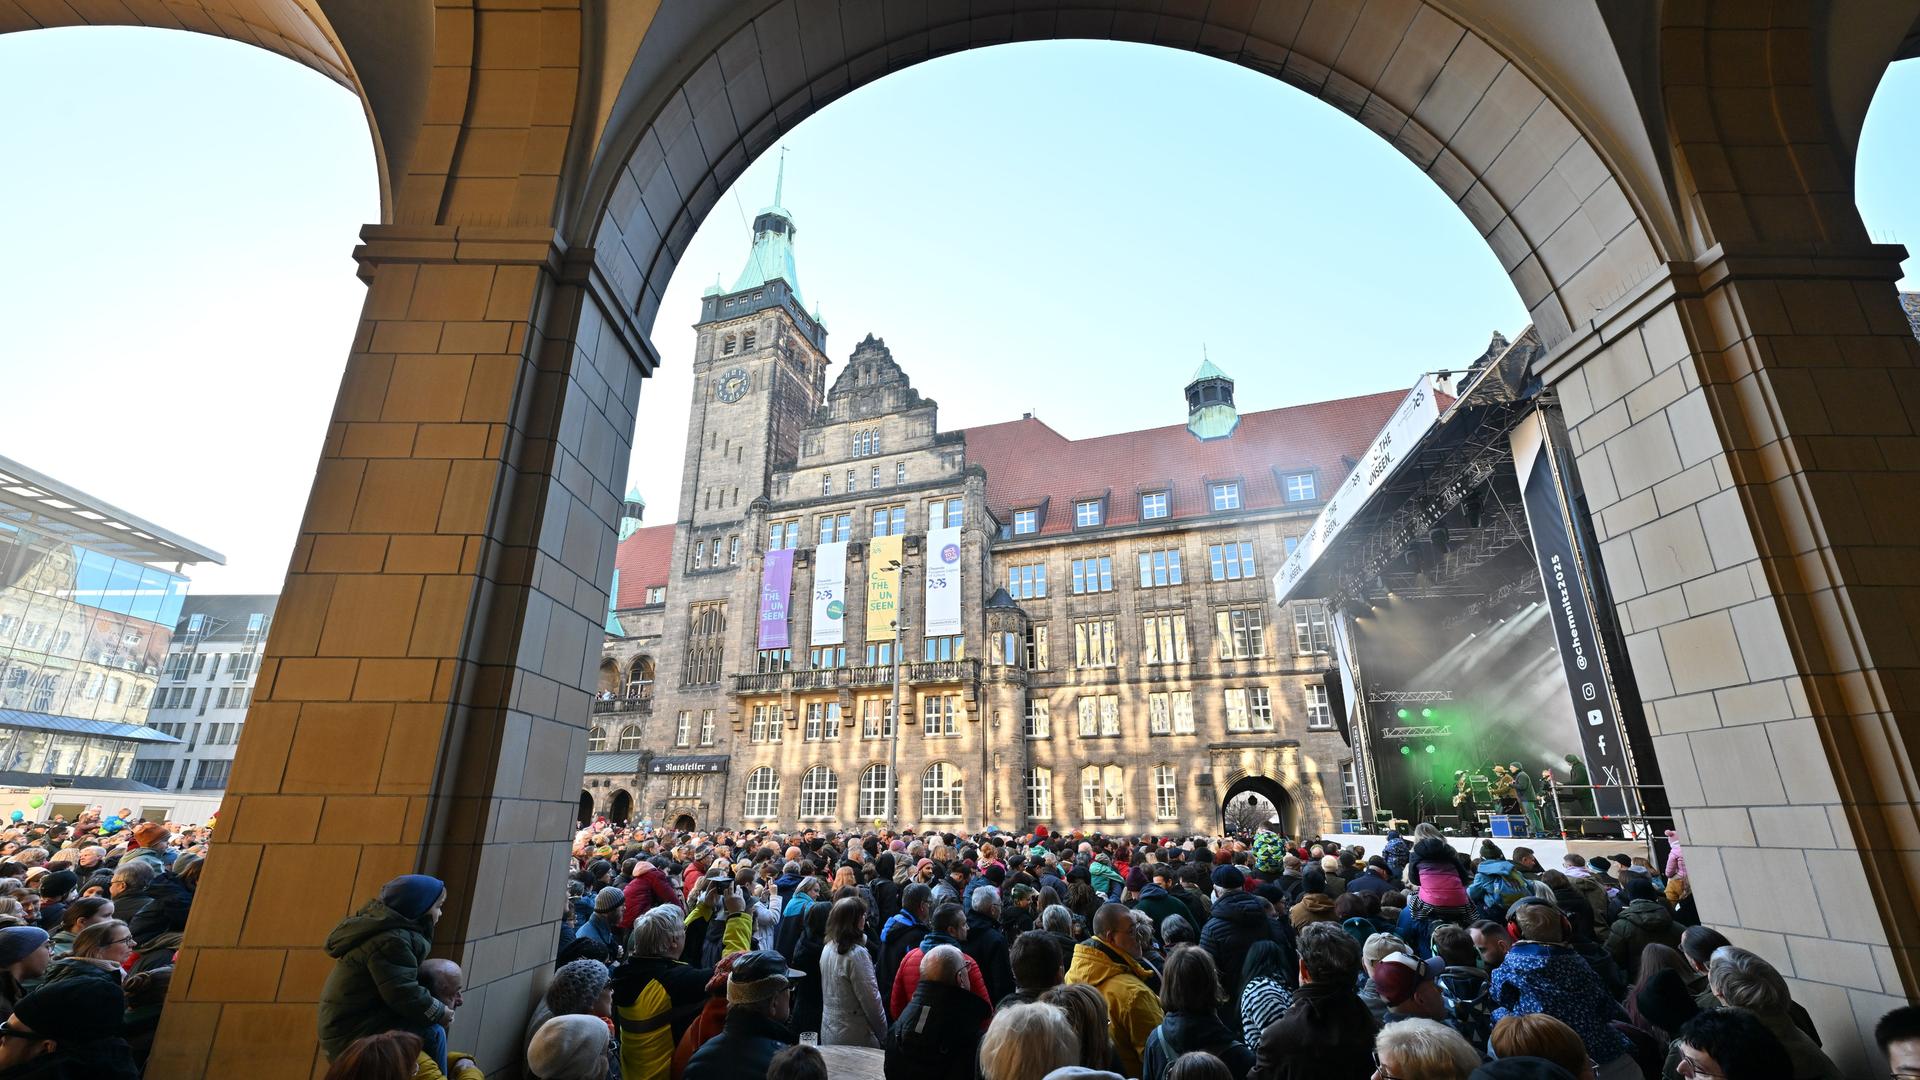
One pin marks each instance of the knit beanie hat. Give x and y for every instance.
(57, 885)
(16, 942)
(609, 899)
(146, 833)
(570, 1047)
(1640, 888)
(412, 895)
(1228, 877)
(1490, 850)
(576, 986)
(73, 1010)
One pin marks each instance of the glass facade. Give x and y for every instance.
(82, 635)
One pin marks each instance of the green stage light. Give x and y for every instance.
(1406, 749)
(1429, 748)
(1403, 714)
(1426, 714)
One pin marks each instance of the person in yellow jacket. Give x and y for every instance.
(1110, 962)
(655, 996)
(442, 979)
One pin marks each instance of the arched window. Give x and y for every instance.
(819, 793)
(727, 345)
(640, 678)
(596, 739)
(763, 793)
(940, 791)
(630, 737)
(873, 793)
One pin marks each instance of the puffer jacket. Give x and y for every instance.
(655, 1000)
(1540, 977)
(1440, 874)
(1312, 908)
(1133, 1010)
(1642, 923)
(375, 982)
(1239, 922)
(1676, 859)
(1496, 885)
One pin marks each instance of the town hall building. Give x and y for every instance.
(1078, 633)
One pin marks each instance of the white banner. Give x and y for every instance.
(943, 582)
(1397, 438)
(829, 594)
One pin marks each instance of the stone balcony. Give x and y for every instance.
(624, 706)
(813, 680)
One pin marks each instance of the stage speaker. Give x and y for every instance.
(1337, 701)
(1445, 822)
(1601, 829)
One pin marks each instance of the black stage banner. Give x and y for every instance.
(1539, 459)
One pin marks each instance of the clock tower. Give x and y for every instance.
(759, 375)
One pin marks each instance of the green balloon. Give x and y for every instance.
(37, 801)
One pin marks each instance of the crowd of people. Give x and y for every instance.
(91, 914)
(739, 955)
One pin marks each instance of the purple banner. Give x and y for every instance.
(776, 585)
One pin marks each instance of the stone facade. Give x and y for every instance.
(1052, 706)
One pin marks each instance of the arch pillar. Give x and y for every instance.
(421, 702)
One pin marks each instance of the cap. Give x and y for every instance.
(759, 975)
(1228, 877)
(1399, 975)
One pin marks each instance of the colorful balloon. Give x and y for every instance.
(19, 815)
(37, 801)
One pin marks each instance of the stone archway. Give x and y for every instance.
(684, 823)
(1662, 185)
(620, 807)
(1269, 793)
(585, 817)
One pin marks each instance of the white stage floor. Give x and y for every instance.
(1550, 852)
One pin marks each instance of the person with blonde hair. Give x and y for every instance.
(1086, 1010)
(1424, 1050)
(1028, 1040)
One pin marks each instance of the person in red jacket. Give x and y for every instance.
(648, 888)
(949, 928)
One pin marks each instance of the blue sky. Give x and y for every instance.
(1058, 228)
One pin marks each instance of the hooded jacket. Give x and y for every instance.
(1106, 880)
(899, 937)
(655, 1000)
(1326, 1035)
(1642, 923)
(1158, 904)
(907, 977)
(1133, 1010)
(375, 982)
(1440, 874)
(1496, 885)
(1676, 859)
(649, 889)
(1312, 907)
(987, 946)
(1239, 922)
(1539, 977)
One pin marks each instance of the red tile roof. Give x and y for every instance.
(643, 560)
(1028, 462)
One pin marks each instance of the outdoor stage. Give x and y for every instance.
(1549, 852)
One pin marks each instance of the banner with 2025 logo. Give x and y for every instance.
(943, 582)
(829, 594)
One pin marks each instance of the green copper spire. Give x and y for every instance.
(772, 254)
(1210, 410)
(632, 509)
(613, 600)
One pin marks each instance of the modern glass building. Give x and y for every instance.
(89, 597)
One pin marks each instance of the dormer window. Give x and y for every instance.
(1299, 487)
(1155, 505)
(1088, 513)
(1026, 522)
(1226, 496)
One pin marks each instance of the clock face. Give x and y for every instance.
(733, 385)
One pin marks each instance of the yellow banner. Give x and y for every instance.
(883, 586)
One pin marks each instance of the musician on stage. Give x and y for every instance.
(1463, 803)
(1529, 797)
(1502, 790)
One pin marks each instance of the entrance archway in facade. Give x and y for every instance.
(586, 808)
(1253, 801)
(621, 808)
(683, 823)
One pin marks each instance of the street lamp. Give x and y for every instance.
(893, 719)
